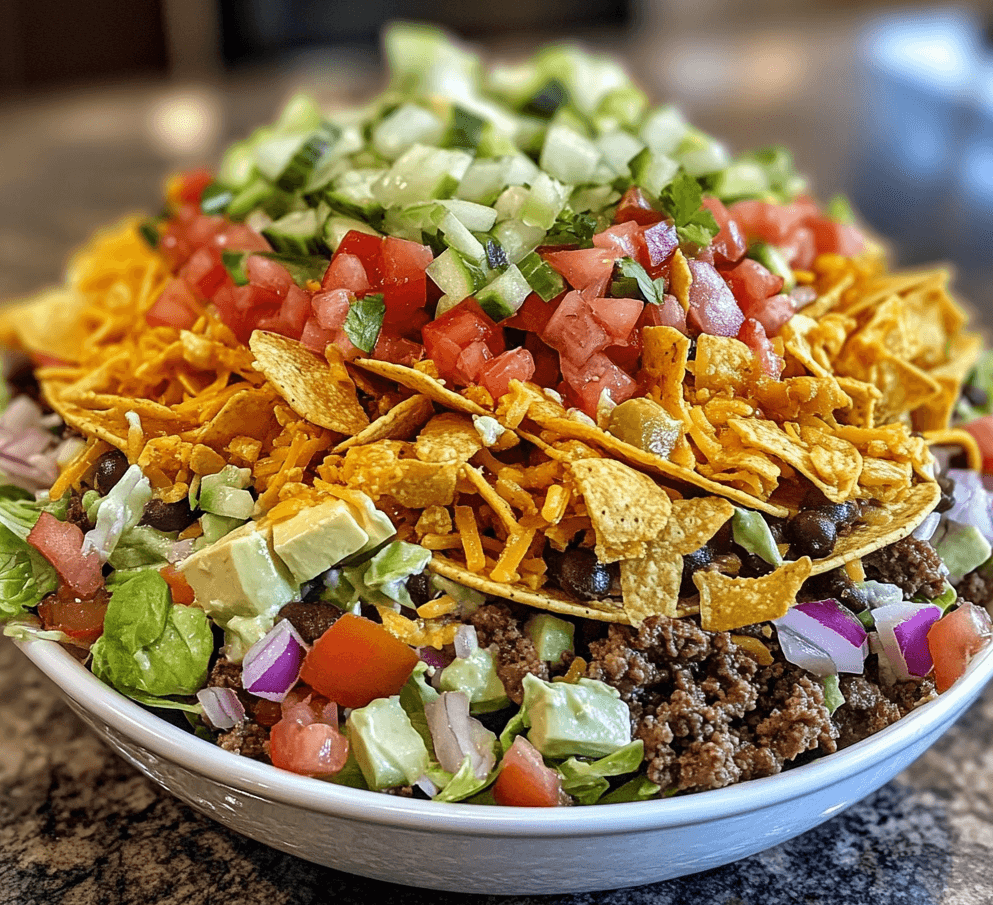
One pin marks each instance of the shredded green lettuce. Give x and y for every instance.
(25, 575)
(587, 780)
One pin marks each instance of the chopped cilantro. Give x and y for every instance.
(572, 229)
(682, 200)
(652, 291)
(364, 321)
(215, 199)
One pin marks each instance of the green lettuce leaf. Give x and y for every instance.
(638, 789)
(464, 783)
(151, 648)
(587, 781)
(25, 575)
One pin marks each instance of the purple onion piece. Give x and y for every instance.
(221, 706)
(824, 637)
(465, 641)
(973, 500)
(902, 629)
(456, 734)
(272, 665)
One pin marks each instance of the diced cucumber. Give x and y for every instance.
(412, 220)
(624, 106)
(701, 155)
(273, 155)
(409, 124)
(238, 165)
(299, 167)
(352, 192)
(517, 238)
(742, 179)
(476, 218)
(545, 201)
(459, 238)
(484, 180)
(619, 149)
(663, 130)
(568, 156)
(445, 304)
(216, 526)
(422, 173)
(299, 114)
(501, 298)
(508, 205)
(250, 196)
(337, 226)
(541, 277)
(593, 198)
(455, 276)
(297, 233)
(653, 171)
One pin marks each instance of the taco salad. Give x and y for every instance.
(505, 440)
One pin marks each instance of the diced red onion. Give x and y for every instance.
(925, 530)
(29, 451)
(465, 641)
(272, 665)
(902, 629)
(436, 659)
(972, 502)
(456, 734)
(824, 637)
(879, 593)
(221, 706)
(427, 786)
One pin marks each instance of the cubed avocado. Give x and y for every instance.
(317, 538)
(476, 677)
(386, 746)
(375, 523)
(586, 719)
(552, 636)
(241, 576)
(962, 548)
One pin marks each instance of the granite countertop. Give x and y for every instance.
(78, 826)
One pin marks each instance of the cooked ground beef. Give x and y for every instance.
(311, 620)
(976, 587)
(76, 514)
(708, 713)
(910, 564)
(515, 655)
(225, 674)
(248, 739)
(871, 705)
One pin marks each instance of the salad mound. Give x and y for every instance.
(506, 440)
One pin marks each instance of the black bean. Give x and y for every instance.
(811, 533)
(976, 395)
(420, 588)
(580, 573)
(841, 513)
(947, 500)
(110, 469)
(693, 562)
(168, 516)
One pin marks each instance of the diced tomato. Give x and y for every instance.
(331, 307)
(239, 237)
(349, 351)
(729, 244)
(204, 272)
(398, 349)
(588, 381)
(179, 587)
(752, 334)
(982, 429)
(356, 661)
(446, 336)
(770, 222)
(587, 269)
(617, 316)
(315, 337)
(800, 249)
(546, 361)
(712, 306)
(627, 240)
(470, 362)
(514, 364)
(635, 206)
(574, 331)
(626, 355)
(368, 249)
(534, 314)
(955, 639)
(295, 310)
(190, 185)
(310, 746)
(831, 237)
(751, 282)
(524, 781)
(264, 273)
(773, 313)
(61, 543)
(177, 306)
(661, 242)
(346, 272)
(669, 314)
(79, 618)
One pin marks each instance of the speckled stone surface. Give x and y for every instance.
(78, 826)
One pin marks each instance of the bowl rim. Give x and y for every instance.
(201, 757)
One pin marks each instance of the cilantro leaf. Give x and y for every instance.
(572, 229)
(652, 291)
(364, 321)
(682, 200)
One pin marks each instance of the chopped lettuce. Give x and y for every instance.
(150, 647)
(25, 575)
(587, 780)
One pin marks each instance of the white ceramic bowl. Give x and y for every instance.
(502, 850)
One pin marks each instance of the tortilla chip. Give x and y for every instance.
(316, 389)
(627, 508)
(728, 603)
(422, 383)
(549, 599)
(248, 413)
(448, 437)
(650, 583)
(399, 423)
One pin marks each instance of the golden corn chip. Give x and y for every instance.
(501, 508)
(650, 583)
(960, 438)
(664, 358)
(724, 364)
(893, 522)
(248, 413)
(864, 397)
(399, 423)
(421, 383)
(680, 279)
(627, 508)
(549, 599)
(448, 437)
(434, 520)
(903, 387)
(728, 603)
(316, 389)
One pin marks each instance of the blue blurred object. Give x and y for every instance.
(920, 70)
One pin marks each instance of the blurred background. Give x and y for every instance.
(890, 103)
